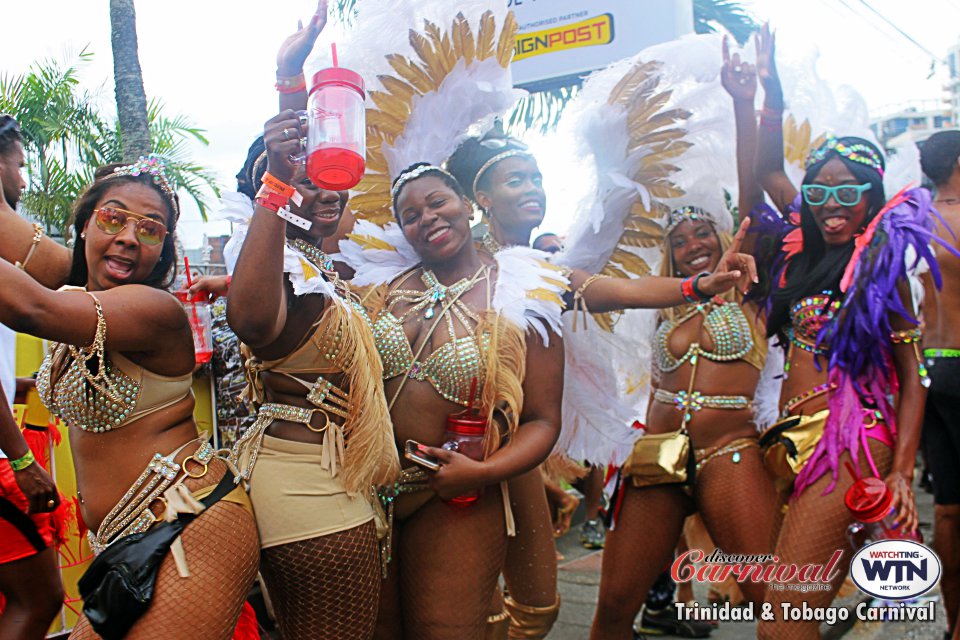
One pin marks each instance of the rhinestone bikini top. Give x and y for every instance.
(451, 367)
(724, 322)
(132, 392)
(808, 317)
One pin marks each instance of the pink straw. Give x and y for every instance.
(333, 49)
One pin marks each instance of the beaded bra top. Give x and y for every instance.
(808, 317)
(118, 394)
(724, 322)
(451, 367)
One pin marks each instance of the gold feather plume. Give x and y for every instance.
(797, 142)
(436, 51)
(659, 132)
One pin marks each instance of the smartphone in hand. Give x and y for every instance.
(413, 450)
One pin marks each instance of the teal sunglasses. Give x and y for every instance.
(846, 195)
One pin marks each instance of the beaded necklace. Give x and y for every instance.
(490, 244)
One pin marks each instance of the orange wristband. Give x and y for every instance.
(277, 186)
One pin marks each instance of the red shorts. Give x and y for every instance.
(25, 534)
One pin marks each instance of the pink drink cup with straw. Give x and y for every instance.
(869, 501)
(464, 434)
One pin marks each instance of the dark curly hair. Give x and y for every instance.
(166, 268)
(820, 267)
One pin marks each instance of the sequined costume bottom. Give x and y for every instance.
(325, 587)
(222, 553)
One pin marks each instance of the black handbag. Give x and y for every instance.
(117, 587)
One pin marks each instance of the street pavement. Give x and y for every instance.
(579, 581)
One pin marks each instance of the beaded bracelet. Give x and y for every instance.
(21, 463)
(293, 84)
(34, 242)
(906, 336)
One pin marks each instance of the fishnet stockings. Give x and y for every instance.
(737, 502)
(814, 528)
(448, 564)
(325, 587)
(222, 554)
(636, 551)
(530, 570)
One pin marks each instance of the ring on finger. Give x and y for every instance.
(51, 503)
(286, 133)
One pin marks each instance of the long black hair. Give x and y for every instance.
(820, 267)
(166, 268)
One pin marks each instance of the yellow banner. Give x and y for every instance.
(587, 33)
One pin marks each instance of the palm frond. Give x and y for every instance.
(540, 111)
(731, 16)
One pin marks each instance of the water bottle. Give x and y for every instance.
(337, 129)
(464, 435)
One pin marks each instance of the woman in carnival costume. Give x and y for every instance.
(700, 451)
(321, 441)
(853, 388)
(322, 438)
(505, 183)
(456, 332)
(127, 400)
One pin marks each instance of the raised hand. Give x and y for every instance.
(295, 49)
(737, 76)
(766, 42)
(281, 136)
(735, 269)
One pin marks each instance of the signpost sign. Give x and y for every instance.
(562, 40)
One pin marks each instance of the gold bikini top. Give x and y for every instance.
(120, 393)
(453, 366)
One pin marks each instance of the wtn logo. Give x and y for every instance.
(902, 569)
(895, 569)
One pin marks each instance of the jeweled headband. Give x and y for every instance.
(857, 152)
(687, 214)
(153, 166)
(519, 149)
(413, 174)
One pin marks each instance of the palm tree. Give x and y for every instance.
(128, 81)
(65, 139)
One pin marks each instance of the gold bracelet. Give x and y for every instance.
(37, 234)
(23, 462)
(579, 304)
